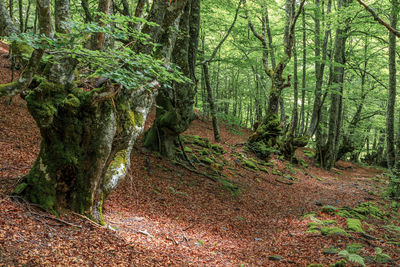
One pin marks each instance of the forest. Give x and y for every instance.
(199, 132)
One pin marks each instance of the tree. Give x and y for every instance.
(175, 105)
(87, 136)
(269, 131)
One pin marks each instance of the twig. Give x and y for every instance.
(55, 219)
(282, 182)
(89, 220)
(185, 238)
(173, 240)
(144, 233)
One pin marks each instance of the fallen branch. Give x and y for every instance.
(55, 219)
(282, 182)
(89, 220)
(144, 233)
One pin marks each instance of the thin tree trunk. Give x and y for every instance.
(390, 145)
(217, 135)
(303, 82)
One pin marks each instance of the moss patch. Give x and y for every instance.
(333, 231)
(354, 225)
(206, 160)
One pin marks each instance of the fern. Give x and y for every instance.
(381, 257)
(352, 257)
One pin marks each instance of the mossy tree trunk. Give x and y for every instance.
(269, 133)
(85, 148)
(7, 26)
(175, 105)
(87, 137)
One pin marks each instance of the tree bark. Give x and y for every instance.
(175, 108)
(330, 150)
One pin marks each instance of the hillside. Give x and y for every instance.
(230, 209)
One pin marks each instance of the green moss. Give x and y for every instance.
(354, 225)
(314, 229)
(277, 172)
(333, 231)
(219, 149)
(369, 208)
(315, 265)
(250, 164)
(206, 160)
(328, 222)
(219, 166)
(329, 209)
(341, 263)
(309, 153)
(263, 169)
(303, 163)
(187, 149)
(20, 188)
(204, 152)
(354, 248)
(100, 210)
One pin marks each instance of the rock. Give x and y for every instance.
(258, 239)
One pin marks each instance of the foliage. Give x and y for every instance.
(121, 64)
(352, 257)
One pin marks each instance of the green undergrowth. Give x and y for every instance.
(201, 151)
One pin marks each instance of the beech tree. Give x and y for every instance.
(88, 134)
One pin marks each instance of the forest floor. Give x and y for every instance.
(256, 213)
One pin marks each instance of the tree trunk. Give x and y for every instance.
(217, 135)
(7, 27)
(330, 150)
(394, 185)
(390, 146)
(87, 137)
(303, 81)
(175, 107)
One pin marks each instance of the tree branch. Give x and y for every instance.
(223, 39)
(377, 18)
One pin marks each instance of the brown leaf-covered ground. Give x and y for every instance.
(164, 214)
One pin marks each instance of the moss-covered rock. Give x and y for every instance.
(354, 225)
(219, 149)
(333, 231)
(206, 160)
(250, 164)
(314, 229)
(369, 208)
(188, 149)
